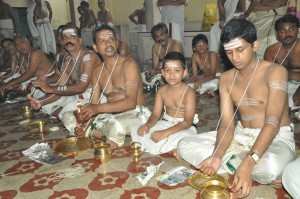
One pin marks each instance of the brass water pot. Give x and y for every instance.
(214, 189)
(27, 112)
(136, 150)
(102, 152)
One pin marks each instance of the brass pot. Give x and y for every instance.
(136, 150)
(102, 152)
(27, 112)
(214, 189)
(41, 126)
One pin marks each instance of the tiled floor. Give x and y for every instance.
(25, 178)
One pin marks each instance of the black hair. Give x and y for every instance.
(5, 40)
(79, 7)
(60, 29)
(174, 56)
(157, 27)
(198, 38)
(100, 28)
(288, 18)
(84, 4)
(239, 28)
(71, 26)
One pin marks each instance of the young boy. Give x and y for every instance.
(206, 63)
(178, 100)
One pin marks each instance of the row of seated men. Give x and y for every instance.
(102, 97)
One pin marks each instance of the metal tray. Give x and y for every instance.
(72, 146)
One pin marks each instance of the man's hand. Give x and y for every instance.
(42, 84)
(143, 130)
(88, 111)
(210, 166)
(159, 135)
(79, 132)
(221, 25)
(34, 103)
(197, 86)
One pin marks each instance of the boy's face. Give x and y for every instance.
(287, 33)
(240, 52)
(201, 47)
(173, 72)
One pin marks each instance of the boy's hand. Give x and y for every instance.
(159, 135)
(79, 132)
(143, 130)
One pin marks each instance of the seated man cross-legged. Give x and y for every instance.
(262, 143)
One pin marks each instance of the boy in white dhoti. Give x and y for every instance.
(262, 143)
(205, 65)
(178, 99)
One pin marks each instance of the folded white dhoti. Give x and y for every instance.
(157, 77)
(207, 86)
(166, 145)
(196, 148)
(117, 126)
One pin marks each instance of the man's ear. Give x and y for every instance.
(95, 48)
(255, 45)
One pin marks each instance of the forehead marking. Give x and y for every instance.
(235, 43)
(69, 31)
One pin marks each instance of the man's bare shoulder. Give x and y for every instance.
(273, 48)
(37, 54)
(272, 69)
(128, 63)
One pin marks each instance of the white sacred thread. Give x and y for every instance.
(63, 74)
(72, 172)
(256, 66)
(102, 93)
(287, 54)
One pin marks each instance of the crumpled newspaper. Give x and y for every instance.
(175, 176)
(42, 153)
(149, 173)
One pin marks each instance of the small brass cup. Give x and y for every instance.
(214, 189)
(136, 151)
(27, 112)
(102, 152)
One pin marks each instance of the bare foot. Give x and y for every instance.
(277, 181)
(175, 154)
(113, 145)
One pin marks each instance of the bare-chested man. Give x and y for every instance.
(88, 24)
(262, 143)
(10, 49)
(33, 63)
(74, 83)
(286, 52)
(104, 15)
(140, 14)
(163, 44)
(7, 20)
(119, 80)
(207, 64)
(266, 12)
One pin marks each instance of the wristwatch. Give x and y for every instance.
(254, 156)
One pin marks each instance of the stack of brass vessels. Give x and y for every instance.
(210, 186)
(136, 151)
(27, 112)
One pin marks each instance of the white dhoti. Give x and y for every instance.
(264, 22)
(66, 115)
(87, 36)
(61, 102)
(116, 126)
(196, 148)
(7, 28)
(46, 38)
(166, 145)
(25, 84)
(156, 78)
(141, 28)
(211, 85)
(291, 178)
(14, 76)
(215, 31)
(292, 87)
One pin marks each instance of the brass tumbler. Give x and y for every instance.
(214, 189)
(102, 152)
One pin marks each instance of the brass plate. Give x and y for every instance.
(198, 180)
(72, 146)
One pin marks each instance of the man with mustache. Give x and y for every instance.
(163, 44)
(286, 52)
(32, 64)
(74, 83)
(118, 79)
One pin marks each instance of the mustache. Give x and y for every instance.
(160, 41)
(288, 37)
(69, 43)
